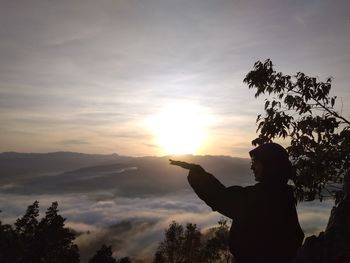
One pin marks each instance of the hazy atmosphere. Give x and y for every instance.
(99, 77)
(115, 199)
(112, 88)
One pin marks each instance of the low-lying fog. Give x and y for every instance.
(123, 202)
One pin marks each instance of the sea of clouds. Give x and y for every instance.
(135, 225)
(126, 208)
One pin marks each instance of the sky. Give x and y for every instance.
(131, 76)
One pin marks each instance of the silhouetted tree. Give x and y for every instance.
(9, 245)
(170, 248)
(103, 255)
(47, 241)
(159, 256)
(27, 224)
(190, 246)
(56, 241)
(25, 229)
(44, 241)
(179, 245)
(302, 111)
(216, 249)
(124, 260)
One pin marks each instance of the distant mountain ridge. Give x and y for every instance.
(67, 172)
(18, 164)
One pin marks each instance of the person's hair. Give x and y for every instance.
(276, 167)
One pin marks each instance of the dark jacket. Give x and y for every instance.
(265, 226)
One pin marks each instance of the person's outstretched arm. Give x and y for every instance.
(211, 190)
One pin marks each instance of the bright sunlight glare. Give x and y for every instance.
(180, 128)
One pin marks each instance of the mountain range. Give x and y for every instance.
(69, 172)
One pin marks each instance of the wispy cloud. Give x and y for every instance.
(72, 141)
(119, 61)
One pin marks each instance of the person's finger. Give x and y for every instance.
(184, 165)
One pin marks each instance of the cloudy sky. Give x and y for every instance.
(107, 76)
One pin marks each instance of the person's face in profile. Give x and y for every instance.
(257, 169)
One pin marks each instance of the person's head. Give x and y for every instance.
(270, 163)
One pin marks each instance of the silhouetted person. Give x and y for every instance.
(265, 226)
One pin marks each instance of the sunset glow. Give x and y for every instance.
(98, 97)
(179, 128)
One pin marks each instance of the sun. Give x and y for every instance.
(179, 128)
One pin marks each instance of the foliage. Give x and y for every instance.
(125, 260)
(189, 245)
(9, 245)
(103, 255)
(179, 245)
(302, 111)
(31, 240)
(216, 248)
(55, 240)
(44, 241)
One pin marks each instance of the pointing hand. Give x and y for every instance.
(185, 165)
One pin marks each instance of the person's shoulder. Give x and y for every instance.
(257, 189)
(241, 189)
